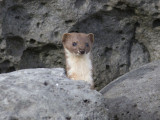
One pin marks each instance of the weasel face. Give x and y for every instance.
(78, 43)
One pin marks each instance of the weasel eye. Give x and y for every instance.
(87, 45)
(74, 43)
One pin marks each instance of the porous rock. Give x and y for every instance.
(46, 94)
(135, 95)
(126, 34)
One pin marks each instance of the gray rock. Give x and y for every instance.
(126, 34)
(46, 94)
(139, 56)
(135, 95)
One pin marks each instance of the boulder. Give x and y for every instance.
(46, 94)
(135, 95)
(126, 34)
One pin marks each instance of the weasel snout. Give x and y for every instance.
(81, 51)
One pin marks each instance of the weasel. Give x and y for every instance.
(77, 47)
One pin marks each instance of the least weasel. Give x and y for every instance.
(77, 47)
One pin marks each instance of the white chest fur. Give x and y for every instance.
(80, 67)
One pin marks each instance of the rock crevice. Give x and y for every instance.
(130, 29)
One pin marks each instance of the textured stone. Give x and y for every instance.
(135, 95)
(126, 34)
(46, 94)
(139, 56)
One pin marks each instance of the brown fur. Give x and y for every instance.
(80, 39)
(77, 52)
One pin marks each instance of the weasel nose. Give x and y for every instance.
(82, 51)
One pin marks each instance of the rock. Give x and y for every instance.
(46, 94)
(138, 56)
(135, 95)
(0, 21)
(126, 34)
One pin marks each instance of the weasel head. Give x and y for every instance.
(78, 43)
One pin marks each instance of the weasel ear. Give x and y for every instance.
(91, 37)
(65, 37)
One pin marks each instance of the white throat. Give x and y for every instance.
(80, 65)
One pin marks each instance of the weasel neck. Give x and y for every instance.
(79, 67)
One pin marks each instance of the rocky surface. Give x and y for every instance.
(126, 33)
(135, 95)
(46, 94)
